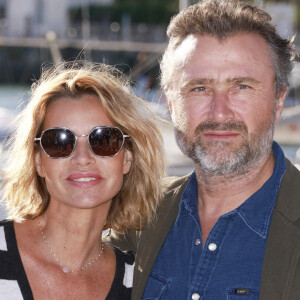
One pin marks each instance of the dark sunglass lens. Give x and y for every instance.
(58, 142)
(106, 141)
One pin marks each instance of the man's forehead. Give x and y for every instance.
(206, 49)
(186, 47)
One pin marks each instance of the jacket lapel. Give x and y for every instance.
(153, 238)
(280, 271)
(281, 257)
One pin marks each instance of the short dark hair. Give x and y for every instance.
(226, 18)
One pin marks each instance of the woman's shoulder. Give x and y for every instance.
(7, 244)
(5, 223)
(122, 283)
(6, 228)
(124, 256)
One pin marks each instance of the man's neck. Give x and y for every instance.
(219, 195)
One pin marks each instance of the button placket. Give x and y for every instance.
(212, 247)
(209, 257)
(197, 242)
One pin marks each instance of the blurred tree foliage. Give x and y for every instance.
(296, 3)
(146, 11)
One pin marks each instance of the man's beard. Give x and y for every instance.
(215, 158)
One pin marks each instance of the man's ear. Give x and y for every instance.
(127, 161)
(279, 104)
(38, 164)
(170, 107)
(169, 101)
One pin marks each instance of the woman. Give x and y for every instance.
(84, 158)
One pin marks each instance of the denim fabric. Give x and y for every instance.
(230, 264)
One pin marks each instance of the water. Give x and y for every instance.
(12, 99)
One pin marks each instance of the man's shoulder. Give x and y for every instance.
(172, 190)
(291, 179)
(288, 200)
(172, 185)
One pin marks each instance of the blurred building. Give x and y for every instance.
(283, 16)
(34, 18)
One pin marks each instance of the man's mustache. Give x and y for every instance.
(227, 126)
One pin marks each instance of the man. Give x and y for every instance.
(231, 229)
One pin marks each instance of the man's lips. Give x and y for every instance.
(220, 135)
(84, 179)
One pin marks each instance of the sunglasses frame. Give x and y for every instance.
(82, 135)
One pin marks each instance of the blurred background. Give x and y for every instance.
(129, 34)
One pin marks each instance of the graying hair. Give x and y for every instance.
(226, 18)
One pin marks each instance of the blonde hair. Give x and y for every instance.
(25, 192)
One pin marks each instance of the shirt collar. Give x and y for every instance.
(257, 210)
(189, 197)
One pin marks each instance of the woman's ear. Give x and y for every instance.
(127, 161)
(38, 163)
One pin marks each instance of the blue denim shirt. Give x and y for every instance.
(230, 264)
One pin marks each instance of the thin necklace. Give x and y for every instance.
(64, 268)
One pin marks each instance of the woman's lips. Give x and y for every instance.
(84, 180)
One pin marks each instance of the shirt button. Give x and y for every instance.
(212, 246)
(195, 296)
(197, 242)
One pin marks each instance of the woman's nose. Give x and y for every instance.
(82, 154)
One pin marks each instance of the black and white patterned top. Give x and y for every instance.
(14, 284)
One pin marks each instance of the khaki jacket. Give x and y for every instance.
(281, 266)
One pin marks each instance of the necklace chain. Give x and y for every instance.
(64, 268)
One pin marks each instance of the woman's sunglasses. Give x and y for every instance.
(60, 142)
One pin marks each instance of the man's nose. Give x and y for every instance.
(220, 109)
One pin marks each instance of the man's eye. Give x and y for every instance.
(200, 89)
(243, 86)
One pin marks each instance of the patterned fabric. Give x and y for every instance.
(14, 284)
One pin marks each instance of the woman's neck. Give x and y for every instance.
(72, 236)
